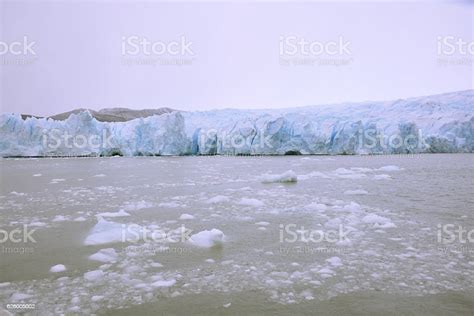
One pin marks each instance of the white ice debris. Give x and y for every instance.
(288, 176)
(169, 204)
(251, 202)
(316, 207)
(120, 213)
(356, 192)
(207, 238)
(104, 255)
(94, 275)
(105, 232)
(378, 221)
(20, 297)
(186, 216)
(164, 283)
(59, 218)
(382, 177)
(218, 199)
(390, 168)
(58, 268)
(335, 261)
(137, 205)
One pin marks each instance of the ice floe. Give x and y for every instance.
(207, 238)
(186, 216)
(251, 202)
(58, 268)
(120, 213)
(288, 176)
(104, 255)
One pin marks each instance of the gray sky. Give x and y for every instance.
(239, 55)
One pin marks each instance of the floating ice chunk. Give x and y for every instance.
(335, 261)
(314, 174)
(59, 218)
(101, 175)
(37, 175)
(17, 193)
(164, 283)
(58, 268)
(120, 213)
(20, 297)
(382, 177)
(186, 216)
(343, 171)
(169, 204)
(288, 176)
(262, 223)
(251, 202)
(210, 260)
(326, 271)
(218, 199)
(94, 275)
(80, 219)
(378, 221)
(156, 265)
(138, 205)
(361, 169)
(104, 255)
(96, 298)
(352, 207)
(356, 192)
(207, 238)
(316, 207)
(37, 224)
(390, 168)
(55, 181)
(105, 232)
(227, 305)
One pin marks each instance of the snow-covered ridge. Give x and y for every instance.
(439, 123)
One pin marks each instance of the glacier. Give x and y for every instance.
(432, 124)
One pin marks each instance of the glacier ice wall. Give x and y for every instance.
(440, 123)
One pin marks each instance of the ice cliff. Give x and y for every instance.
(439, 123)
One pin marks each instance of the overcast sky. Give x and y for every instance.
(86, 53)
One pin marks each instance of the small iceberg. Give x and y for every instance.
(207, 238)
(286, 177)
(58, 268)
(104, 255)
(106, 232)
(120, 213)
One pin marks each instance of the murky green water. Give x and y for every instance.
(382, 227)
